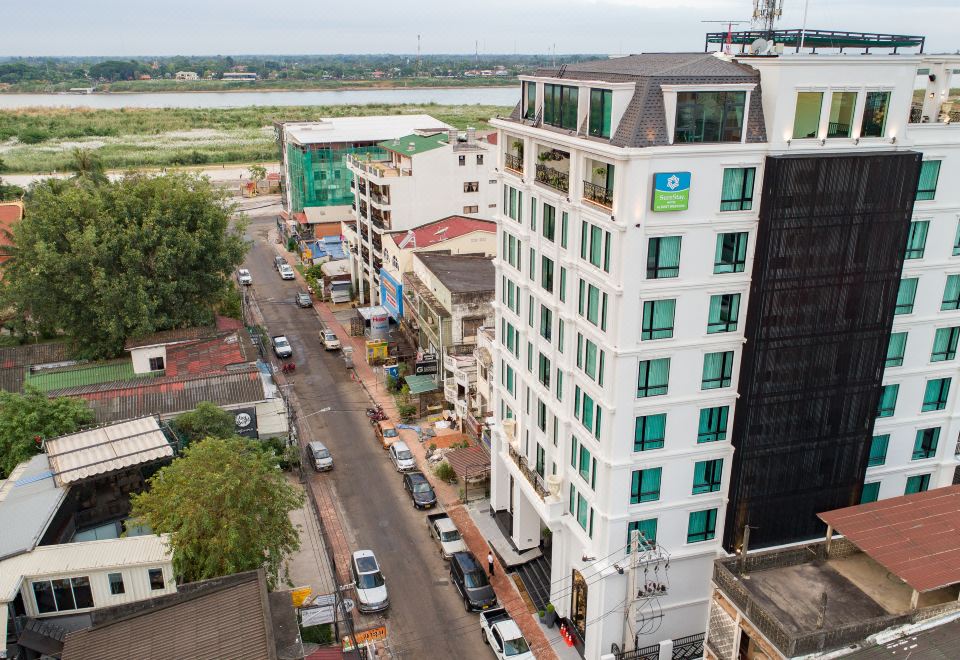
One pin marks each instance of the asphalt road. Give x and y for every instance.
(426, 618)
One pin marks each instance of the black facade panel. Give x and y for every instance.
(828, 256)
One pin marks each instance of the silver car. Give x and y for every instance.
(368, 580)
(243, 276)
(402, 457)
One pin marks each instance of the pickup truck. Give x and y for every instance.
(503, 635)
(446, 534)
(281, 347)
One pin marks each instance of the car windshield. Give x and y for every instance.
(404, 455)
(422, 487)
(322, 453)
(370, 580)
(450, 536)
(475, 579)
(390, 433)
(244, 272)
(281, 342)
(515, 646)
(329, 336)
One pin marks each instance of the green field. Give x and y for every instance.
(41, 139)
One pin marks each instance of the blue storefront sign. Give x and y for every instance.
(391, 295)
(671, 191)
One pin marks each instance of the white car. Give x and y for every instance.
(243, 276)
(330, 341)
(286, 272)
(368, 580)
(401, 456)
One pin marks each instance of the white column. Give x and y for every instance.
(526, 522)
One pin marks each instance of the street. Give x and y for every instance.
(426, 618)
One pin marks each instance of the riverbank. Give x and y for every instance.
(41, 139)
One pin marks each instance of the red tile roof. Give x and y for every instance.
(915, 537)
(204, 357)
(300, 217)
(10, 214)
(445, 229)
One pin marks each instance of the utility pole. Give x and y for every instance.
(476, 52)
(418, 56)
(628, 635)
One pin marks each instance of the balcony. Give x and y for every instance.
(450, 390)
(554, 178)
(531, 475)
(514, 163)
(379, 168)
(598, 194)
(948, 113)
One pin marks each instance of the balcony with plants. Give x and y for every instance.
(553, 168)
(598, 188)
(513, 158)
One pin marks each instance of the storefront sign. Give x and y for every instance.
(391, 295)
(245, 422)
(365, 637)
(671, 191)
(427, 364)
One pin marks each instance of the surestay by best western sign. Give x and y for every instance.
(671, 191)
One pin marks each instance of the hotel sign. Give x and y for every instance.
(671, 191)
(391, 295)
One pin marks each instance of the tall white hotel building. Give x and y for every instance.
(728, 295)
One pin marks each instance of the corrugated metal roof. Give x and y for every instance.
(939, 643)
(14, 361)
(916, 537)
(88, 373)
(77, 558)
(105, 449)
(28, 501)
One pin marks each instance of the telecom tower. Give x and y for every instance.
(765, 13)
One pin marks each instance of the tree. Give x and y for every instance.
(85, 164)
(25, 417)
(207, 420)
(258, 172)
(106, 263)
(225, 505)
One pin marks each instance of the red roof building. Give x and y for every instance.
(443, 230)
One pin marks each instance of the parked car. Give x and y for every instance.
(281, 347)
(329, 339)
(503, 635)
(286, 272)
(421, 492)
(446, 534)
(279, 261)
(471, 581)
(369, 582)
(243, 276)
(319, 456)
(402, 457)
(386, 433)
(303, 299)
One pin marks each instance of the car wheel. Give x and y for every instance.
(483, 633)
(466, 604)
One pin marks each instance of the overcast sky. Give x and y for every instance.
(193, 27)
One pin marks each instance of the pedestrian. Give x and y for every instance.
(490, 561)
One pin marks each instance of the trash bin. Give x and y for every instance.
(348, 356)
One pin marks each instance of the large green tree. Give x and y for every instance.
(31, 415)
(225, 505)
(106, 262)
(206, 420)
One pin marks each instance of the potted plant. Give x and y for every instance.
(542, 615)
(518, 148)
(550, 617)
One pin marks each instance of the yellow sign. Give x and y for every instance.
(300, 595)
(365, 636)
(307, 255)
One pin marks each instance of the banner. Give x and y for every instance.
(245, 422)
(671, 191)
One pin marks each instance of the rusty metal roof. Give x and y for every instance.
(916, 537)
(468, 462)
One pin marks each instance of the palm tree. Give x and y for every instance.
(85, 164)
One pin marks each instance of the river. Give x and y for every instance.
(443, 96)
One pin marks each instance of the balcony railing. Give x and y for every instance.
(598, 194)
(553, 178)
(379, 198)
(535, 479)
(514, 163)
(948, 113)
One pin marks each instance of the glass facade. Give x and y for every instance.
(560, 106)
(709, 116)
(601, 103)
(319, 174)
(875, 115)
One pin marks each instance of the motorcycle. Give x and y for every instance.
(376, 414)
(288, 367)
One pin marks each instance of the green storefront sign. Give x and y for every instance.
(671, 191)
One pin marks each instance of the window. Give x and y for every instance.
(462, 160)
(533, 264)
(512, 203)
(918, 484)
(546, 273)
(935, 394)
(546, 322)
(663, 257)
(875, 115)
(709, 116)
(156, 578)
(896, 348)
(906, 295)
(582, 511)
(560, 335)
(560, 106)
(870, 492)
(156, 364)
(927, 183)
(724, 312)
(559, 396)
(590, 359)
(595, 245)
(717, 370)
(658, 319)
(511, 295)
(842, 105)
(917, 239)
(707, 476)
(653, 377)
(507, 378)
(541, 456)
(713, 424)
(529, 100)
(956, 241)
(601, 103)
(512, 250)
(116, 583)
(479, 159)
(587, 412)
(888, 400)
(593, 305)
(62, 595)
(925, 446)
(945, 344)
(731, 256)
(649, 432)
(471, 186)
(737, 193)
(806, 122)
(583, 465)
(702, 526)
(563, 284)
(471, 209)
(951, 294)
(647, 533)
(564, 221)
(878, 450)
(645, 485)
(530, 357)
(549, 222)
(543, 370)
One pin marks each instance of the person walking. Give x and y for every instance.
(490, 562)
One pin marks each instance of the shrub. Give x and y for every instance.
(407, 412)
(445, 472)
(322, 634)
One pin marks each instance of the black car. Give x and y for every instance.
(467, 575)
(421, 492)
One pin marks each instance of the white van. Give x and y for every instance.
(320, 456)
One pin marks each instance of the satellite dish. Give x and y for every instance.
(759, 46)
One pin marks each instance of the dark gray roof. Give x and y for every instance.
(644, 121)
(28, 501)
(461, 273)
(939, 643)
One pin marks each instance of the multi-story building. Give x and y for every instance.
(702, 253)
(416, 178)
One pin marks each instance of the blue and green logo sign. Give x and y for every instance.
(671, 191)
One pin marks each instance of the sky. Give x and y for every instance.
(231, 27)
